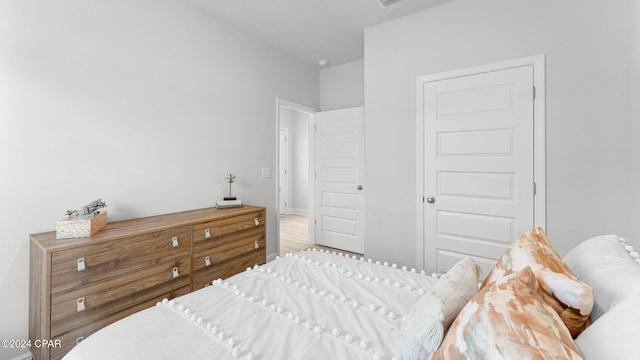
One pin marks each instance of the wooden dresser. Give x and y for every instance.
(78, 286)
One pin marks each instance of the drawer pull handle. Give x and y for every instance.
(80, 304)
(207, 233)
(256, 245)
(174, 241)
(207, 261)
(81, 264)
(256, 221)
(79, 340)
(175, 272)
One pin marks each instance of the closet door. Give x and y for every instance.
(478, 165)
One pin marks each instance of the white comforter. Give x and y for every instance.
(309, 305)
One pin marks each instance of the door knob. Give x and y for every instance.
(431, 199)
(360, 187)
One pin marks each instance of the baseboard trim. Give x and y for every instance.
(304, 212)
(270, 257)
(26, 356)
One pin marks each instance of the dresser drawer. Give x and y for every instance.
(90, 303)
(71, 338)
(207, 233)
(216, 255)
(228, 267)
(85, 265)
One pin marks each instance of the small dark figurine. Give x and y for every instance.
(230, 179)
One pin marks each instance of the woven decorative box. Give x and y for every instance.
(81, 226)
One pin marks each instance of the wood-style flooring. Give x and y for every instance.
(294, 235)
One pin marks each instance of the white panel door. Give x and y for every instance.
(339, 175)
(478, 166)
(283, 191)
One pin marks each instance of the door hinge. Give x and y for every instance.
(534, 188)
(315, 127)
(534, 93)
(315, 222)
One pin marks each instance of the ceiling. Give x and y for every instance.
(310, 29)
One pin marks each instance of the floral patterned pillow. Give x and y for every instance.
(569, 297)
(508, 319)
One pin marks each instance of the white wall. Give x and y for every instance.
(297, 125)
(587, 45)
(300, 162)
(145, 103)
(342, 86)
(633, 135)
(286, 122)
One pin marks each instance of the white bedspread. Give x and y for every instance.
(309, 305)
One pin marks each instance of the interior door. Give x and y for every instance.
(282, 171)
(339, 160)
(478, 166)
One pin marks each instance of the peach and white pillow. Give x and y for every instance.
(569, 297)
(508, 319)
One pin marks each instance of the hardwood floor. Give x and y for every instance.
(294, 235)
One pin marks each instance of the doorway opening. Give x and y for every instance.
(295, 183)
(299, 190)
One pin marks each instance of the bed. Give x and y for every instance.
(322, 305)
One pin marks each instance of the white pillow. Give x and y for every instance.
(614, 335)
(422, 330)
(431, 316)
(607, 264)
(455, 289)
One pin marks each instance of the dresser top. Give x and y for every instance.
(125, 228)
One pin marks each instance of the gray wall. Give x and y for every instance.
(633, 135)
(286, 122)
(342, 86)
(300, 162)
(297, 124)
(147, 104)
(591, 145)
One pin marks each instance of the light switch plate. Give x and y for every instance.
(266, 173)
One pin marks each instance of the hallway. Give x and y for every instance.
(294, 235)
